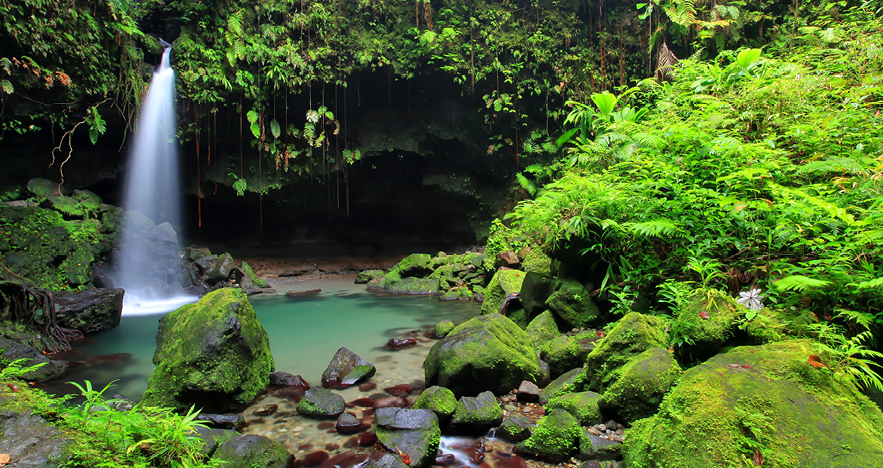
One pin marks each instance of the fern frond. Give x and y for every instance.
(655, 228)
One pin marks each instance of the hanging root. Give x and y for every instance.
(35, 309)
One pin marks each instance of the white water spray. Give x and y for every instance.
(147, 259)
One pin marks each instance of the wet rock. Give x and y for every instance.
(222, 268)
(564, 352)
(195, 253)
(265, 410)
(584, 406)
(284, 379)
(315, 458)
(253, 451)
(572, 304)
(561, 385)
(346, 368)
(390, 402)
(555, 438)
(89, 311)
(320, 402)
(516, 427)
(401, 390)
(488, 352)
(389, 461)
(632, 335)
(222, 421)
(396, 344)
(367, 275)
(247, 272)
(367, 386)
(29, 441)
(206, 264)
(213, 354)
(446, 459)
(348, 424)
(504, 283)
(439, 400)
(528, 392)
(212, 438)
(347, 459)
(542, 329)
(13, 350)
(593, 447)
(414, 432)
(308, 292)
(477, 414)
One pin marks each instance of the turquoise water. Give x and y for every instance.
(304, 334)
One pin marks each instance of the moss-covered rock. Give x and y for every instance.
(439, 400)
(642, 383)
(365, 276)
(759, 398)
(249, 273)
(413, 432)
(535, 291)
(516, 427)
(632, 335)
(582, 405)
(253, 451)
(416, 286)
(542, 329)
(415, 265)
(505, 282)
(564, 352)
(705, 323)
(560, 386)
(319, 402)
(571, 303)
(477, 413)
(443, 327)
(212, 354)
(537, 262)
(488, 352)
(555, 438)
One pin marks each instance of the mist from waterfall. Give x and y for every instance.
(147, 261)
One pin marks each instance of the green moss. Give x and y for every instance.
(562, 385)
(572, 304)
(537, 262)
(582, 405)
(247, 271)
(765, 398)
(556, 437)
(643, 382)
(542, 329)
(705, 323)
(196, 355)
(632, 335)
(443, 328)
(439, 400)
(416, 265)
(482, 410)
(504, 282)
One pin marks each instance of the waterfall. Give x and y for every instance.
(148, 266)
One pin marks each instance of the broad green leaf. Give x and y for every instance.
(252, 116)
(256, 130)
(747, 57)
(275, 129)
(799, 283)
(605, 101)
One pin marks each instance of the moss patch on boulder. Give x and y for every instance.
(503, 283)
(439, 400)
(582, 405)
(632, 335)
(705, 323)
(542, 329)
(642, 384)
(759, 398)
(555, 438)
(572, 304)
(212, 354)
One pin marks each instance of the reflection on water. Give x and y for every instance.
(304, 334)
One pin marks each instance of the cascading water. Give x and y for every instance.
(147, 261)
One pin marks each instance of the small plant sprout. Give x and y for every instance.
(751, 299)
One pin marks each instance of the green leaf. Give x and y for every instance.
(252, 116)
(275, 129)
(605, 101)
(747, 57)
(6, 86)
(256, 130)
(799, 283)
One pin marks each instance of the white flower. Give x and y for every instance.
(751, 299)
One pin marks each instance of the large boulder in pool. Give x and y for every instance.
(89, 311)
(212, 354)
(488, 352)
(760, 401)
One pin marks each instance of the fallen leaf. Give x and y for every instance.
(4, 459)
(758, 458)
(746, 366)
(815, 361)
(703, 314)
(733, 365)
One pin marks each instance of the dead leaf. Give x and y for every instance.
(746, 366)
(4, 459)
(703, 314)
(734, 365)
(815, 361)
(758, 458)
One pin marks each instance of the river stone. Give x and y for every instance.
(222, 421)
(253, 451)
(347, 424)
(249, 273)
(593, 447)
(542, 329)
(367, 275)
(318, 401)
(346, 368)
(572, 304)
(560, 386)
(477, 413)
(213, 354)
(439, 400)
(13, 350)
(89, 311)
(516, 427)
(443, 327)
(641, 385)
(389, 461)
(414, 432)
(504, 282)
(284, 379)
(582, 405)
(248, 287)
(555, 438)
(206, 264)
(163, 233)
(487, 352)
(632, 335)
(29, 441)
(212, 438)
(222, 269)
(794, 413)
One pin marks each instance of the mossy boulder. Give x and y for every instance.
(367, 275)
(478, 413)
(42, 188)
(222, 268)
(642, 383)
(504, 282)
(439, 400)
(443, 327)
(564, 352)
(555, 438)
(537, 262)
(89, 311)
(213, 354)
(631, 336)
(488, 352)
(707, 320)
(253, 451)
(415, 286)
(413, 432)
(249, 273)
(542, 329)
(562, 385)
(319, 402)
(535, 290)
(516, 427)
(759, 398)
(571, 304)
(415, 265)
(582, 405)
